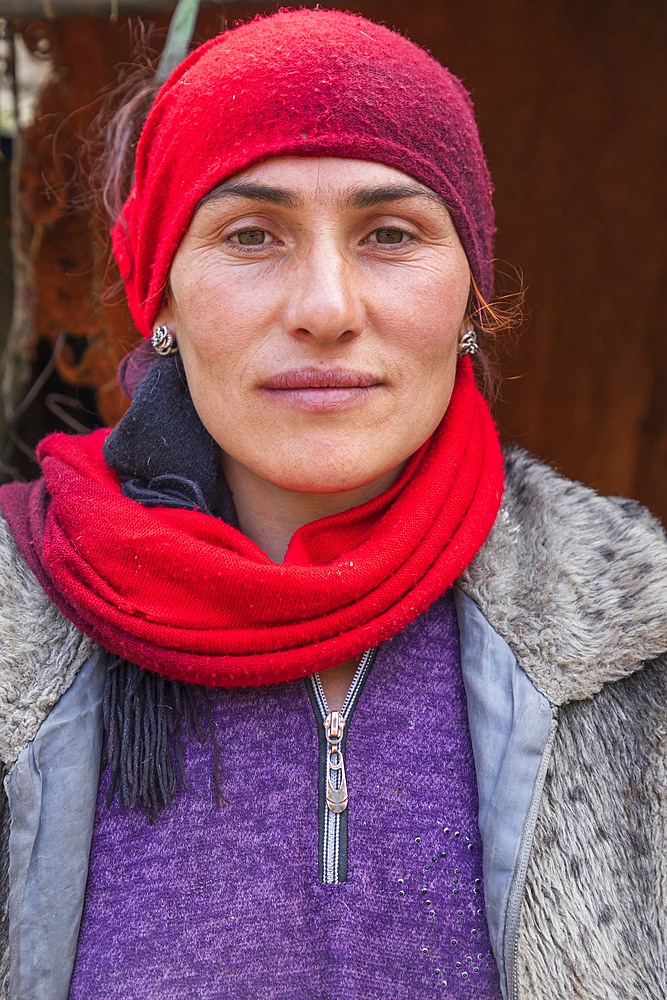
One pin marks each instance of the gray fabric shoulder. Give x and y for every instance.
(510, 726)
(574, 582)
(41, 651)
(52, 789)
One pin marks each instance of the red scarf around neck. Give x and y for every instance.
(184, 594)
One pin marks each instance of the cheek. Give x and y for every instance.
(219, 330)
(428, 296)
(427, 332)
(212, 295)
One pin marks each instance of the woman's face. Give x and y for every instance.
(317, 305)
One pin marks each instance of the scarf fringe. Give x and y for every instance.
(145, 717)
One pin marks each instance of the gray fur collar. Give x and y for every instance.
(41, 652)
(575, 583)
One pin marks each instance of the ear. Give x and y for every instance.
(166, 317)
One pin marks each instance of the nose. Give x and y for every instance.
(324, 302)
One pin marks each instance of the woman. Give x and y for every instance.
(420, 709)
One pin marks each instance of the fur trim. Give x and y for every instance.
(4, 886)
(593, 918)
(575, 583)
(42, 652)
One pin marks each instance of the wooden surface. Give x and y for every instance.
(58, 9)
(572, 104)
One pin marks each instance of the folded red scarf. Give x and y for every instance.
(185, 594)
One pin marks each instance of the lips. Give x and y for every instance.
(317, 390)
(315, 378)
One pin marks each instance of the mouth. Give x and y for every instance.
(317, 389)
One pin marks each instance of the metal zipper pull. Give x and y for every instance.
(336, 785)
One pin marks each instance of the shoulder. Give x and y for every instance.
(41, 651)
(574, 582)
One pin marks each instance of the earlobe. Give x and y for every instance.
(166, 316)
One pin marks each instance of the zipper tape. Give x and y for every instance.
(333, 825)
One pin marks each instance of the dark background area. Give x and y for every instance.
(571, 99)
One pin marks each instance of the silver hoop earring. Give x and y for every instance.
(468, 344)
(163, 343)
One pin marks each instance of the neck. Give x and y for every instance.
(269, 515)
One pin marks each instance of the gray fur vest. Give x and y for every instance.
(576, 585)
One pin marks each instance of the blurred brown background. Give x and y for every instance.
(571, 99)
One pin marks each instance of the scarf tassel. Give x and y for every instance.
(146, 716)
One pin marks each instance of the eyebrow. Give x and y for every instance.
(370, 197)
(356, 198)
(254, 192)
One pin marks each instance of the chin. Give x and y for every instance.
(326, 466)
(324, 483)
(343, 476)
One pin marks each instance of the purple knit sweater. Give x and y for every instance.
(226, 903)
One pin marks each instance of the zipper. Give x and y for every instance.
(332, 731)
(518, 887)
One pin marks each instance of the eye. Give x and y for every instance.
(390, 236)
(251, 237)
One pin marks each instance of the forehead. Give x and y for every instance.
(295, 181)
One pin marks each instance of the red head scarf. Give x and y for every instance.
(298, 83)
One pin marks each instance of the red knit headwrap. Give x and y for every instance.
(298, 83)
